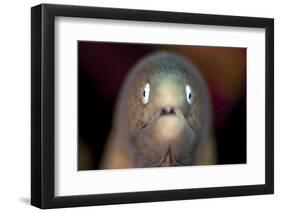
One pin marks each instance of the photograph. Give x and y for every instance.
(140, 106)
(133, 106)
(160, 105)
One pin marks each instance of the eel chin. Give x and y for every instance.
(168, 140)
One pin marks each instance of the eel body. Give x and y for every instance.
(162, 116)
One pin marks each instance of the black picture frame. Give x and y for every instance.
(43, 117)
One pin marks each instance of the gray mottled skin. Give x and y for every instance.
(167, 131)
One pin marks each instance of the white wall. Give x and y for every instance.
(15, 106)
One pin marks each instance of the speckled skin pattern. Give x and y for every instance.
(168, 130)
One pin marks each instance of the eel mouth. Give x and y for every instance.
(165, 111)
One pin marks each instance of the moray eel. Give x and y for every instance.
(162, 117)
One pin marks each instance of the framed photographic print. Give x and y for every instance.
(140, 106)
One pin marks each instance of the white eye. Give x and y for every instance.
(145, 94)
(189, 95)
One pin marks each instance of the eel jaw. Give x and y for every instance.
(168, 158)
(169, 117)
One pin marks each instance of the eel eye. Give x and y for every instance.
(189, 94)
(145, 93)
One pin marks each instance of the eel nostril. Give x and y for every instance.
(163, 111)
(167, 111)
